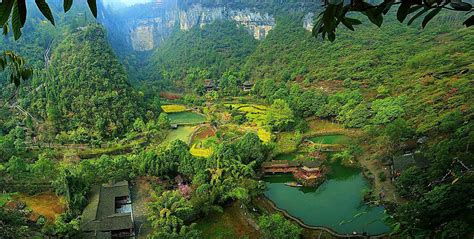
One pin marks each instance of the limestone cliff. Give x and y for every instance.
(144, 27)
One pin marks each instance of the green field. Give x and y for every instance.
(182, 133)
(330, 139)
(186, 118)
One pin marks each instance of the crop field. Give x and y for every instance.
(201, 152)
(321, 127)
(204, 132)
(231, 223)
(181, 118)
(264, 135)
(253, 112)
(173, 108)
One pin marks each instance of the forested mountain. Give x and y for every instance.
(219, 47)
(85, 87)
(77, 78)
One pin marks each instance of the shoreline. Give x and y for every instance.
(268, 201)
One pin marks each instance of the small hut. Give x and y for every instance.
(209, 85)
(247, 86)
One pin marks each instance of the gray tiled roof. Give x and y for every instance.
(100, 215)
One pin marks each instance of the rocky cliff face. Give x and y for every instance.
(257, 23)
(144, 27)
(144, 34)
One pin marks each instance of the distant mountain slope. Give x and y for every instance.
(218, 47)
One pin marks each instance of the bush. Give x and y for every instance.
(276, 226)
(382, 176)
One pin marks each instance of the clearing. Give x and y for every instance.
(47, 204)
(232, 223)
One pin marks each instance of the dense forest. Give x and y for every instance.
(195, 125)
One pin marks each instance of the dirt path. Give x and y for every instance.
(386, 186)
(140, 196)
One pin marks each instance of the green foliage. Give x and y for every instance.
(17, 9)
(388, 109)
(167, 213)
(218, 47)
(165, 160)
(15, 65)
(88, 88)
(250, 148)
(13, 224)
(279, 115)
(276, 226)
(335, 12)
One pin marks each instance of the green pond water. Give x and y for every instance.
(186, 118)
(330, 139)
(336, 204)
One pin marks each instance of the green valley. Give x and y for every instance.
(232, 119)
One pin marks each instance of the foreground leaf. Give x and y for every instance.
(44, 8)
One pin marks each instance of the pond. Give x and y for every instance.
(336, 204)
(187, 117)
(330, 139)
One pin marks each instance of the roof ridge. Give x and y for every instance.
(98, 203)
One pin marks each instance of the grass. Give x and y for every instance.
(330, 139)
(47, 204)
(229, 224)
(290, 156)
(186, 118)
(287, 142)
(173, 108)
(318, 127)
(182, 132)
(4, 198)
(201, 152)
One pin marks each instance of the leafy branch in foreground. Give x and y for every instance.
(335, 13)
(16, 66)
(16, 12)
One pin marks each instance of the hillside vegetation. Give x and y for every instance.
(81, 89)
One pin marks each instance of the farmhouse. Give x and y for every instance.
(109, 212)
(403, 162)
